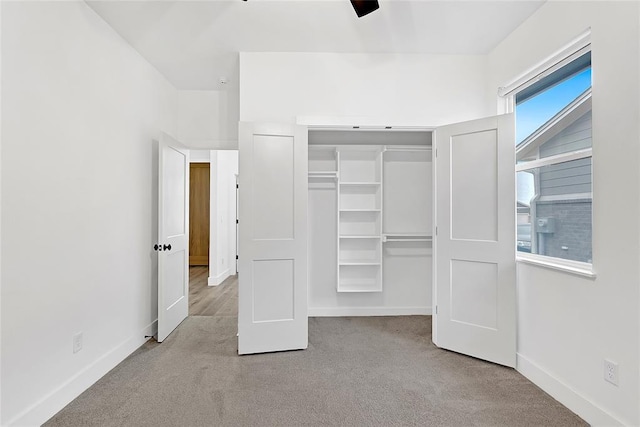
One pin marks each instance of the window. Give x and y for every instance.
(554, 163)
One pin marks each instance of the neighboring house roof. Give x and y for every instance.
(528, 149)
(523, 208)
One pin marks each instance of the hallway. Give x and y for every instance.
(205, 300)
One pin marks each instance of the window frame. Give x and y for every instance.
(507, 103)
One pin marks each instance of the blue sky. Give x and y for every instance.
(532, 113)
(535, 111)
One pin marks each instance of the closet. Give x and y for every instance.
(341, 222)
(370, 222)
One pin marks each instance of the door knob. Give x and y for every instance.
(167, 247)
(156, 247)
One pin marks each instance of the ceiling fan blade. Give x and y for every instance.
(364, 7)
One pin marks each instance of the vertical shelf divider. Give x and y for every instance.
(380, 159)
(338, 166)
(359, 218)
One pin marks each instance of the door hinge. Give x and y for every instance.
(436, 230)
(436, 153)
(436, 309)
(237, 186)
(237, 257)
(237, 221)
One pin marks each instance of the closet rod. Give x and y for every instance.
(408, 240)
(426, 149)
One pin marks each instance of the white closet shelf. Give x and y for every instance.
(359, 191)
(360, 262)
(354, 290)
(361, 184)
(323, 173)
(322, 179)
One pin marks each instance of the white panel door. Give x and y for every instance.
(272, 306)
(173, 235)
(475, 280)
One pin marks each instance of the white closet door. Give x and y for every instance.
(475, 286)
(272, 308)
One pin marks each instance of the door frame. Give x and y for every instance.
(193, 162)
(345, 123)
(321, 123)
(155, 299)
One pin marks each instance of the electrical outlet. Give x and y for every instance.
(77, 342)
(611, 371)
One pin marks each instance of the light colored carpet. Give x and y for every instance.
(369, 371)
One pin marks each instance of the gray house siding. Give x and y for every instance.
(571, 237)
(571, 177)
(566, 178)
(576, 136)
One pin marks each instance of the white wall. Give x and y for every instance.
(80, 111)
(403, 89)
(208, 118)
(199, 156)
(224, 167)
(567, 325)
(427, 90)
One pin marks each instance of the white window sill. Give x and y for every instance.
(582, 269)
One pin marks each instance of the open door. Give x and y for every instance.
(475, 280)
(272, 306)
(173, 235)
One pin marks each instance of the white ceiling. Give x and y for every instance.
(194, 43)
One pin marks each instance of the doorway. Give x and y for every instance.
(212, 242)
(205, 300)
(199, 209)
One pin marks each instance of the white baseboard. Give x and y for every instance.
(580, 405)
(217, 280)
(51, 404)
(367, 311)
